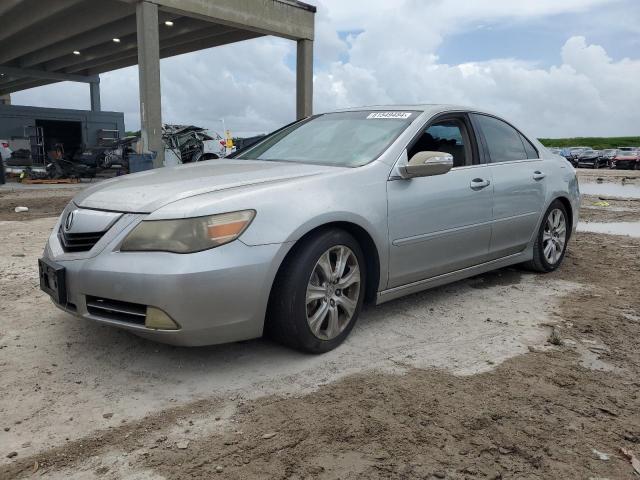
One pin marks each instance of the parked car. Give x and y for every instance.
(572, 154)
(5, 151)
(591, 159)
(296, 232)
(608, 154)
(626, 159)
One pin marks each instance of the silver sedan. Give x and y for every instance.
(295, 232)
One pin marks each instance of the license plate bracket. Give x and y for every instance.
(53, 280)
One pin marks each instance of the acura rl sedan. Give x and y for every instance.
(292, 235)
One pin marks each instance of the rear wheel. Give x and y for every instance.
(551, 241)
(318, 293)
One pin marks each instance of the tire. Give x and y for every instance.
(291, 314)
(196, 156)
(541, 262)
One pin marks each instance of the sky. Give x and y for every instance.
(556, 68)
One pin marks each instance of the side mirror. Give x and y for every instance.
(426, 164)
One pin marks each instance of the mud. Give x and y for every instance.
(430, 386)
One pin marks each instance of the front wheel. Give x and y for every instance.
(551, 241)
(318, 293)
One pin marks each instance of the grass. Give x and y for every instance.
(598, 143)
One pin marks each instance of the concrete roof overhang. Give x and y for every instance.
(38, 39)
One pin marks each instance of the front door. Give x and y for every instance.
(441, 223)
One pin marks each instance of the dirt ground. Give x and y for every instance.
(506, 375)
(41, 202)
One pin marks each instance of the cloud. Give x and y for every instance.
(587, 95)
(391, 59)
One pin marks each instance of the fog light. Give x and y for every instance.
(159, 320)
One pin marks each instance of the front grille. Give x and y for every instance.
(78, 242)
(117, 310)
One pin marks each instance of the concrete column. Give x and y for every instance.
(149, 73)
(304, 79)
(94, 90)
(5, 99)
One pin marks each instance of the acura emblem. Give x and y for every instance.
(69, 221)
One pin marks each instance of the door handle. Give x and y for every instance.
(538, 175)
(479, 183)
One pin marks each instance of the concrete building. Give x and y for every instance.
(76, 40)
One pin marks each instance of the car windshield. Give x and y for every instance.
(346, 139)
(588, 152)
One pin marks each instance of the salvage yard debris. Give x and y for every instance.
(635, 463)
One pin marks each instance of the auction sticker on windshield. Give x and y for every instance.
(394, 115)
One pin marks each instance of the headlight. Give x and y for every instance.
(187, 235)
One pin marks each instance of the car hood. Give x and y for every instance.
(147, 191)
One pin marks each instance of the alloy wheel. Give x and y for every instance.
(332, 292)
(554, 236)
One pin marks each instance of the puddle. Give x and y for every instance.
(610, 189)
(629, 229)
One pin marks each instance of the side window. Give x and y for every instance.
(503, 141)
(529, 148)
(448, 136)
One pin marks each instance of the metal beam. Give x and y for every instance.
(94, 92)
(149, 83)
(304, 79)
(34, 73)
(106, 33)
(32, 12)
(8, 5)
(178, 49)
(268, 17)
(23, 85)
(127, 47)
(216, 40)
(84, 18)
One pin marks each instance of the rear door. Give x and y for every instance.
(441, 223)
(519, 181)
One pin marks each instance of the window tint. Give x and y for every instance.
(503, 141)
(447, 136)
(529, 148)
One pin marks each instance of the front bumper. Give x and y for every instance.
(215, 296)
(586, 163)
(625, 164)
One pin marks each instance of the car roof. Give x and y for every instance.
(431, 108)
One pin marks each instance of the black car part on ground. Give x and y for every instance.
(106, 157)
(20, 158)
